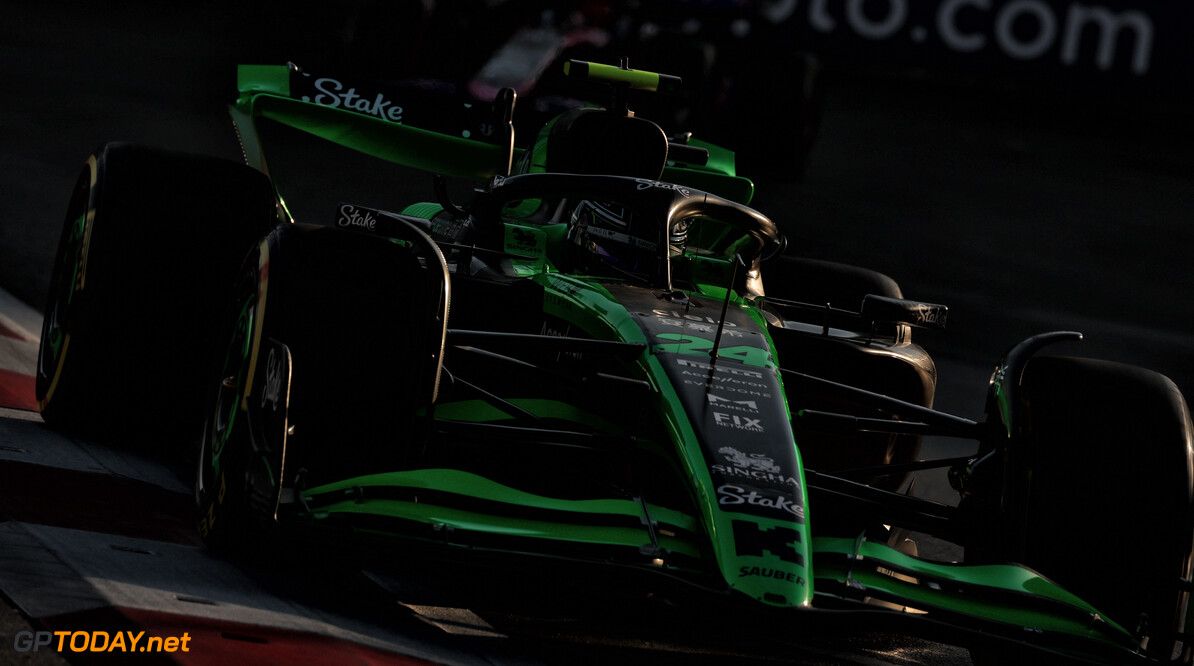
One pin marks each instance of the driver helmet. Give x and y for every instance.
(608, 240)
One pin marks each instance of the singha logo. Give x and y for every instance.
(753, 461)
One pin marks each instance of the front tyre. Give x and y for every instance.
(1108, 507)
(331, 351)
(222, 480)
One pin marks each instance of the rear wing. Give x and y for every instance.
(430, 131)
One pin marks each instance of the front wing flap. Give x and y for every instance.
(459, 508)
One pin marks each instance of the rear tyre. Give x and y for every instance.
(1108, 510)
(152, 240)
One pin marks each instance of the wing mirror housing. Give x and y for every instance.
(902, 311)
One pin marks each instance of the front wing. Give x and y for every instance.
(453, 512)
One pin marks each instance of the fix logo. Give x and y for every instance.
(737, 422)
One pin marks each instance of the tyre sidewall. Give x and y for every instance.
(164, 236)
(1108, 513)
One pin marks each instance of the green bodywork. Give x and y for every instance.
(789, 568)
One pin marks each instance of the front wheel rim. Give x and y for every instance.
(231, 394)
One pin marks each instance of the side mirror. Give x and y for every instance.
(901, 311)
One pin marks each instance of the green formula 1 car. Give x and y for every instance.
(580, 366)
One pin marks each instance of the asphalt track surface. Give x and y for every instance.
(1023, 214)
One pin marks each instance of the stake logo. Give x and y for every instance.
(333, 94)
(350, 216)
(735, 495)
